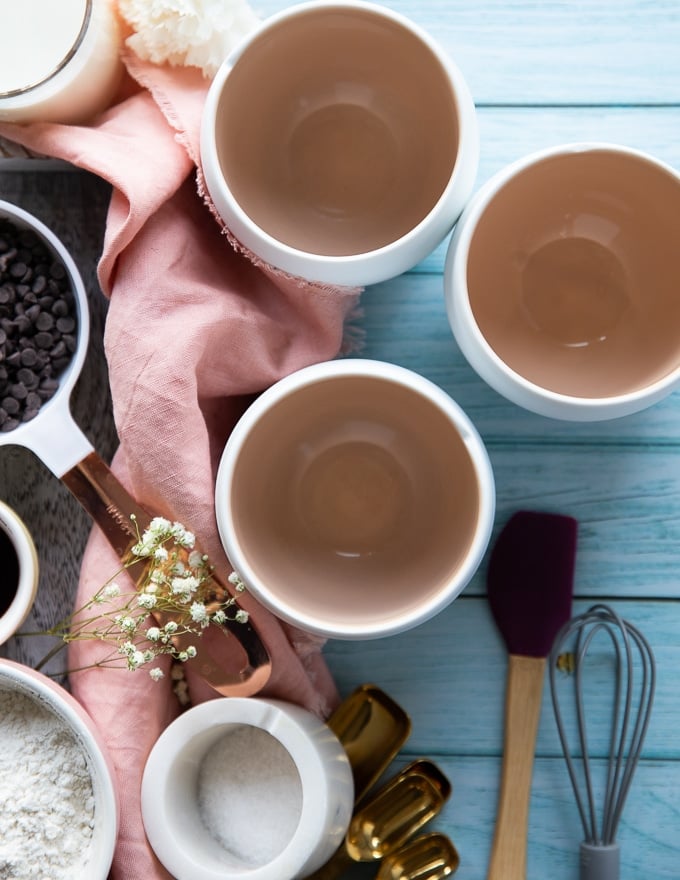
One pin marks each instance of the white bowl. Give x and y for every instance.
(561, 281)
(183, 793)
(355, 499)
(26, 585)
(339, 142)
(68, 713)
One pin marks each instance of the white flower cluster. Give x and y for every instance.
(175, 600)
(195, 33)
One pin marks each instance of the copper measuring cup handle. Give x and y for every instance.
(112, 508)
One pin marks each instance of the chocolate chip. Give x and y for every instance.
(33, 400)
(60, 308)
(38, 323)
(33, 313)
(45, 321)
(43, 340)
(28, 357)
(39, 285)
(66, 325)
(27, 378)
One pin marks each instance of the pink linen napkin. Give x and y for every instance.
(194, 329)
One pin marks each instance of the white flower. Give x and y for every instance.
(241, 616)
(146, 600)
(156, 673)
(160, 527)
(153, 633)
(111, 591)
(219, 616)
(196, 559)
(128, 624)
(160, 554)
(178, 585)
(170, 627)
(191, 652)
(199, 33)
(183, 536)
(135, 660)
(199, 613)
(235, 581)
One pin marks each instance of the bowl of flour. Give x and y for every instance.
(58, 804)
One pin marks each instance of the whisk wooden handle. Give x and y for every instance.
(522, 710)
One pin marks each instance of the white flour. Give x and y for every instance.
(46, 799)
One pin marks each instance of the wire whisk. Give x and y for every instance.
(633, 695)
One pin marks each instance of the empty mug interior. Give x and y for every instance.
(355, 502)
(337, 130)
(573, 272)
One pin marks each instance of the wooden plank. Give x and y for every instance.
(508, 134)
(450, 679)
(573, 52)
(404, 320)
(647, 834)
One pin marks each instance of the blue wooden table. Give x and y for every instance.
(541, 74)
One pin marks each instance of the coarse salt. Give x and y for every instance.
(250, 795)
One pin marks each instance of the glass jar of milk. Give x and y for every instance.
(59, 60)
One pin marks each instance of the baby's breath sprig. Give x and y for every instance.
(175, 600)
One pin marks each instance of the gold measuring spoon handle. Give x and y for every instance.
(112, 508)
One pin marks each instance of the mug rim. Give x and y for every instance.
(368, 267)
(460, 422)
(27, 558)
(474, 345)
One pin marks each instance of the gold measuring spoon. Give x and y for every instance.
(397, 811)
(54, 437)
(389, 817)
(372, 728)
(425, 857)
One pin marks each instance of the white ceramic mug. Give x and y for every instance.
(339, 142)
(355, 499)
(19, 572)
(246, 789)
(562, 279)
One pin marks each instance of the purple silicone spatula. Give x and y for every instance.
(530, 582)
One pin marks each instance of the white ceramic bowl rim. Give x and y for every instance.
(323, 372)
(67, 708)
(27, 557)
(456, 271)
(467, 157)
(282, 721)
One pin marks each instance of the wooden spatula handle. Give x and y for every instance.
(522, 711)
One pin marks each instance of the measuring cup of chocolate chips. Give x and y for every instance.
(44, 334)
(18, 571)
